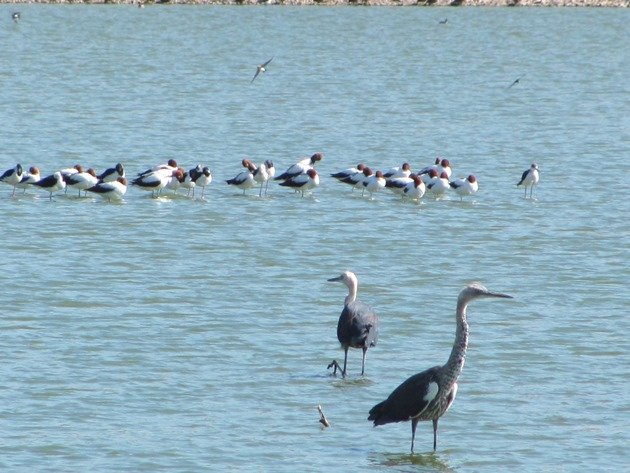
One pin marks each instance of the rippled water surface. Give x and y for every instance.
(178, 334)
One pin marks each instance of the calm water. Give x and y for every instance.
(174, 334)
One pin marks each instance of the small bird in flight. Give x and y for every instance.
(15, 16)
(261, 68)
(518, 79)
(444, 21)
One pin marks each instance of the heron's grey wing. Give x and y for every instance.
(363, 324)
(408, 400)
(522, 177)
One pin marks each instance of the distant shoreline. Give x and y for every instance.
(405, 3)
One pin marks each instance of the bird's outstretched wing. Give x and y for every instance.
(261, 68)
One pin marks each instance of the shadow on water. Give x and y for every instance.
(418, 462)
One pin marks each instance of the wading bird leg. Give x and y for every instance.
(335, 365)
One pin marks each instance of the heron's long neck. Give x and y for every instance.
(455, 363)
(352, 293)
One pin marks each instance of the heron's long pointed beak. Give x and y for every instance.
(338, 278)
(500, 294)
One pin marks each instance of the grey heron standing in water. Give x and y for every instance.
(358, 323)
(428, 395)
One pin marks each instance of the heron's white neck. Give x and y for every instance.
(352, 291)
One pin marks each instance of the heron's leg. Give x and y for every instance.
(335, 365)
(435, 422)
(414, 424)
(345, 361)
(260, 191)
(363, 361)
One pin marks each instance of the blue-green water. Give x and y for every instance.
(187, 335)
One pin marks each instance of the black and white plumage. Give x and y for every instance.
(261, 68)
(358, 323)
(111, 190)
(112, 174)
(465, 187)
(16, 16)
(415, 189)
(303, 182)
(169, 167)
(529, 179)
(374, 183)
(245, 179)
(341, 175)
(29, 177)
(52, 183)
(81, 180)
(262, 174)
(440, 185)
(202, 179)
(13, 176)
(428, 395)
(400, 171)
(155, 181)
(300, 167)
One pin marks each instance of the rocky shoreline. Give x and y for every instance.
(419, 3)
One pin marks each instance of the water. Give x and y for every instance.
(185, 335)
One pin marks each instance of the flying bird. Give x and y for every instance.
(516, 81)
(261, 68)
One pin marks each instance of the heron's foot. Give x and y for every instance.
(335, 366)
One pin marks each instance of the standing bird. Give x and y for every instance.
(13, 176)
(466, 186)
(303, 182)
(358, 323)
(530, 178)
(428, 395)
(261, 68)
(52, 183)
(244, 179)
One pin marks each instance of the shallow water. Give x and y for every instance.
(185, 334)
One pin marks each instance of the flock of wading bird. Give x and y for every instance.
(112, 183)
(423, 396)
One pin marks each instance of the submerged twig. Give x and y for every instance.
(322, 417)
